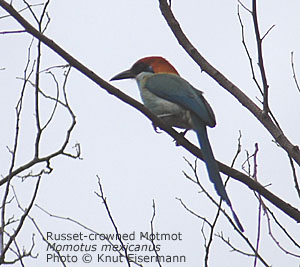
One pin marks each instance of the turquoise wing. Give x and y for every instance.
(177, 90)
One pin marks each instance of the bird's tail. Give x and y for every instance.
(212, 166)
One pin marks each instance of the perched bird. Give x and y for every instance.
(178, 104)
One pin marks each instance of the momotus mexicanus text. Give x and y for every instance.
(178, 104)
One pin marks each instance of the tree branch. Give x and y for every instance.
(205, 66)
(281, 139)
(294, 72)
(260, 57)
(20, 225)
(101, 196)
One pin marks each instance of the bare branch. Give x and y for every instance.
(260, 57)
(81, 225)
(61, 150)
(233, 248)
(45, 239)
(196, 181)
(247, 52)
(21, 10)
(261, 204)
(101, 195)
(56, 67)
(152, 233)
(265, 120)
(220, 204)
(18, 109)
(283, 229)
(12, 245)
(56, 101)
(268, 31)
(31, 11)
(246, 8)
(273, 236)
(20, 225)
(21, 255)
(194, 213)
(294, 72)
(295, 177)
(10, 32)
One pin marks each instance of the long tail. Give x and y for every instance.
(212, 166)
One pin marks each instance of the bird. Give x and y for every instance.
(174, 100)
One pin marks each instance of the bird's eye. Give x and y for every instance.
(150, 69)
(141, 67)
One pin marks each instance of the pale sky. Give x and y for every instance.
(137, 165)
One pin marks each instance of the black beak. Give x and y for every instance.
(123, 75)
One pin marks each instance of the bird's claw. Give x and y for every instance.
(156, 128)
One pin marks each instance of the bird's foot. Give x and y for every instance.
(156, 129)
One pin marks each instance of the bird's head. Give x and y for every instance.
(146, 64)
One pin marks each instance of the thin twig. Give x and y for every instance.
(233, 248)
(294, 71)
(246, 8)
(20, 225)
(205, 66)
(260, 57)
(261, 204)
(238, 151)
(55, 103)
(12, 32)
(273, 236)
(283, 228)
(18, 109)
(265, 120)
(196, 181)
(101, 195)
(268, 31)
(152, 233)
(295, 176)
(84, 227)
(247, 52)
(192, 212)
(21, 10)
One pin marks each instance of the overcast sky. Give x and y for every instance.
(137, 165)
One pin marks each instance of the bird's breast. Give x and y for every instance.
(169, 112)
